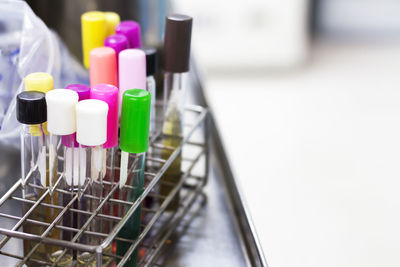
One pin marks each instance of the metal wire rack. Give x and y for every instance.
(159, 225)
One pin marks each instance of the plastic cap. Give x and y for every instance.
(103, 66)
(91, 122)
(39, 81)
(109, 94)
(31, 107)
(132, 70)
(151, 61)
(61, 111)
(118, 42)
(93, 32)
(178, 32)
(131, 29)
(112, 20)
(82, 90)
(135, 120)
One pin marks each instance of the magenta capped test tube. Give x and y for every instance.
(131, 30)
(83, 93)
(118, 42)
(109, 94)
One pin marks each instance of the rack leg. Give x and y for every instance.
(99, 256)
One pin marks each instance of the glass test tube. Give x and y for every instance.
(112, 20)
(176, 64)
(42, 82)
(71, 181)
(93, 25)
(91, 134)
(118, 42)
(134, 139)
(131, 30)
(61, 122)
(151, 69)
(61, 125)
(103, 66)
(109, 94)
(132, 71)
(31, 112)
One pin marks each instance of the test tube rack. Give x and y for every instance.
(159, 229)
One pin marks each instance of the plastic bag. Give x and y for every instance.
(27, 46)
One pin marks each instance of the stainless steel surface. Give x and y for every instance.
(241, 219)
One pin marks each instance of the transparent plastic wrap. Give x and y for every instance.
(27, 46)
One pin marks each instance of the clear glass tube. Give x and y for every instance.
(174, 103)
(151, 88)
(91, 183)
(134, 166)
(110, 176)
(154, 130)
(35, 171)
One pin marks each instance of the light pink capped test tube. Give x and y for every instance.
(132, 70)
(103, 66)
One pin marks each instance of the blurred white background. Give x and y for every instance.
(306, 97)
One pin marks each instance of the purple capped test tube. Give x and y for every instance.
(131, 30)
(118, 42)
(72, 158)
(83, 93)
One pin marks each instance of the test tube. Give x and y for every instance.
(42, 82)
(91, 134)
(176, 63)
(93, 25)
(131, 30)
(39, 81)
(112, 20)
(151, 69)
(61, 125)
(71, 155)
(103, 66)
(61, 122)
(118, 42)
(71, 179)
(109, 94)
(135, 120)
(132, 70)
(31, 112)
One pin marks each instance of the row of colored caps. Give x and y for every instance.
(97, 26)
(177, 39)
(97, 120)
(133, 65)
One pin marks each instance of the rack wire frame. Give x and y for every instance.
(159, 226)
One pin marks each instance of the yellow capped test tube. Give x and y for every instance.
(42, 82)
(93, 32)
(112, 20)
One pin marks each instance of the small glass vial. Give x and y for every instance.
(31, 112)
(62, 127)
(109, 94)
(178, 30)
(91, 134)
(135, 120)
(151, 69)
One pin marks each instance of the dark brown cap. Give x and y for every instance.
(178, 32)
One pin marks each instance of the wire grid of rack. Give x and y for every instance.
(159, 228)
